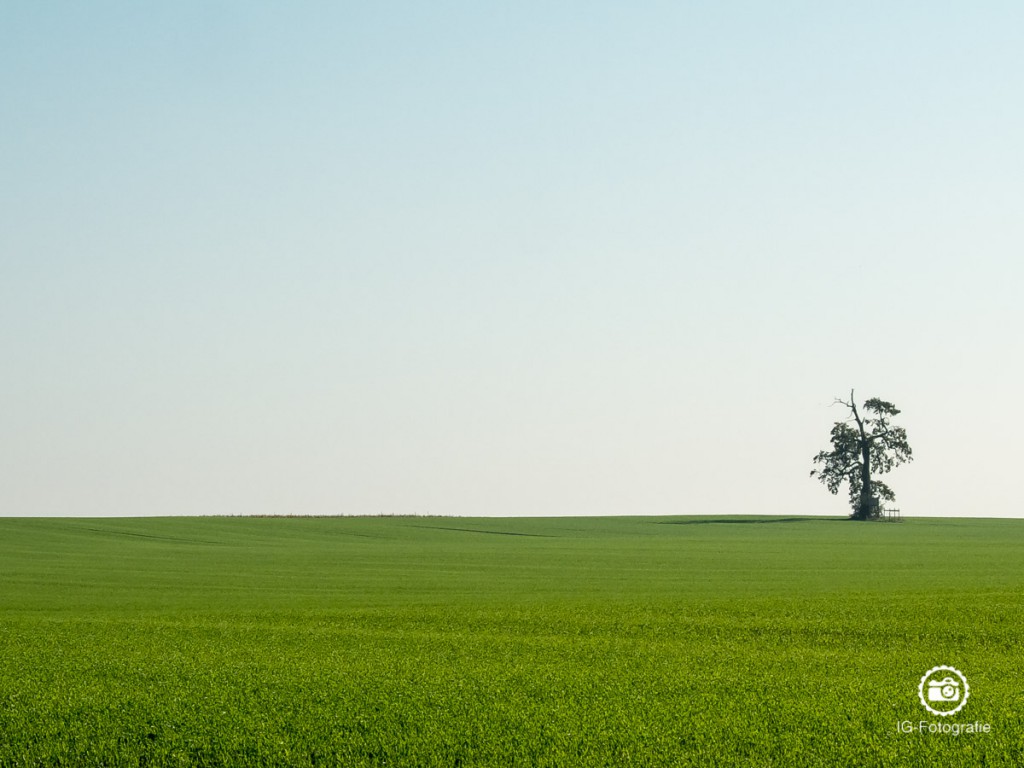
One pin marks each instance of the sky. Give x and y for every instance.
(465, 258)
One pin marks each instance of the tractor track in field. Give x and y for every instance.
(479, 530)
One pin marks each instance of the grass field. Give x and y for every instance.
(505, 642)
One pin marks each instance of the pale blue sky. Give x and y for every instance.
(481, 258)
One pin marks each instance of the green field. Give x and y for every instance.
(427, 641)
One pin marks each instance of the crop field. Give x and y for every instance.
(428, 641)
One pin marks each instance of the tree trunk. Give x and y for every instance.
(866, 510)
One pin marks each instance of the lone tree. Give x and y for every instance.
(862, 445)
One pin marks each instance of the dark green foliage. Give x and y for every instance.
(864, 446)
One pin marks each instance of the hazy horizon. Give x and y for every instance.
(724, 516)
(522, 261)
